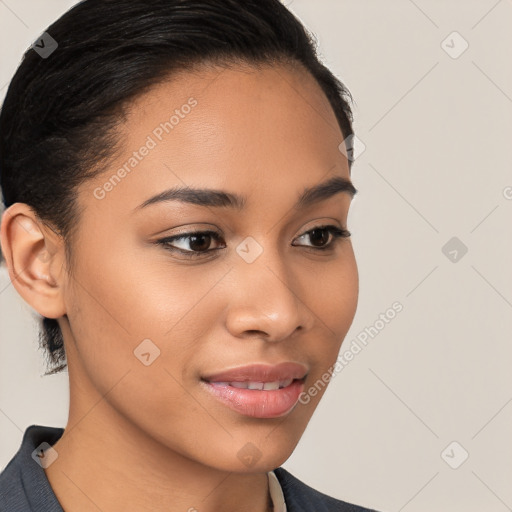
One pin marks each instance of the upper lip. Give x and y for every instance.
(260, 373)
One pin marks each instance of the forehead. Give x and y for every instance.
(238, 104)
(242, 128)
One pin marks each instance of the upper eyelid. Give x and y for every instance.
(188, 234)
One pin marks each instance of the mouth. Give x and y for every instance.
(259, 390)
(265, 386)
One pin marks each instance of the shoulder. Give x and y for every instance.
(301, 497)
(11, 489)
(23, 483)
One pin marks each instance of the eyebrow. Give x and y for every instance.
(223, 199)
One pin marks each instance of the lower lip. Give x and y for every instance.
(258, 403)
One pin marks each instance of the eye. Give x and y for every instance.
(321, 234)
(198, 241)
(197, 244)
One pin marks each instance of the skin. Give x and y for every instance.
(152, 431)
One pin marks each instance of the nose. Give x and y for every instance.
(267, 300)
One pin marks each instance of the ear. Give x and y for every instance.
(35, 259)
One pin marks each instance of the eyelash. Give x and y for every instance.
(336, 233)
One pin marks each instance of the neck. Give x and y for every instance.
(105, 462)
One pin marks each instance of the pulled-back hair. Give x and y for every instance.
(58, 119)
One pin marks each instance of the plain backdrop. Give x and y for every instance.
(420, 419)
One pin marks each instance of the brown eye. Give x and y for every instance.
(320, 236)
(198, 243)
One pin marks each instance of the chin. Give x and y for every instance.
(262, 449)
(251, 460)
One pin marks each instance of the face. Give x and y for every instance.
(170, 297)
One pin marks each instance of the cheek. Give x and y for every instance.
(126, 307)
(118, 301)
(137, 292)
(332, 295)
(130, 307)
(332, 291)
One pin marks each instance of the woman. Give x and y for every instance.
(177, 186)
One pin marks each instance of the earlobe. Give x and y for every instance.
(33, 256)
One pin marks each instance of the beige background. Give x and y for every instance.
(437, 133)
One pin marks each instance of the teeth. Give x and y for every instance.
(241, 385)
(267, 386)
(285, 383)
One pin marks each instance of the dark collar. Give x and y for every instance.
(300, 497)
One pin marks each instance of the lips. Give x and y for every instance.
(259, 390)
(260, 373)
